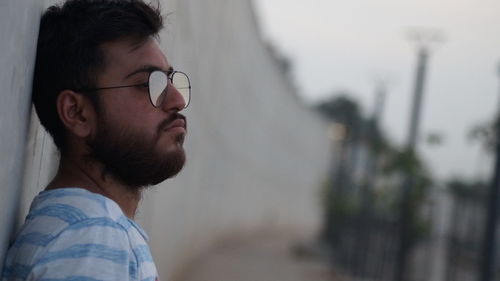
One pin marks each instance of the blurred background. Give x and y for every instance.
(328, 140)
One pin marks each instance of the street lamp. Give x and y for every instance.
(425, 40)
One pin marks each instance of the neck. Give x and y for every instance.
(89, 175)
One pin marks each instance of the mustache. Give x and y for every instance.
(165, 123)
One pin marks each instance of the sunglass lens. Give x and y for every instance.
(181, 83)
(157, 83)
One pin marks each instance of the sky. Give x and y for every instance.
(350, 45)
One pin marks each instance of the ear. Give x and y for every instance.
(76, 113)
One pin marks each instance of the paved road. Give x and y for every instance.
(264, 257)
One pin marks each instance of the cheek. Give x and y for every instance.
(126, 118)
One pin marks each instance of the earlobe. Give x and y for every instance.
(75, 112)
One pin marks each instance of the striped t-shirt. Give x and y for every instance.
(72, 234)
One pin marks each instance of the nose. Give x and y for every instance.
(173, 100)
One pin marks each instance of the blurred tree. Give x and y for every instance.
(393, 164)
(337, 203)
(434, 139)
(485, 134)
(343, 109)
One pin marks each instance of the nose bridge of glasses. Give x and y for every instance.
(170, 77)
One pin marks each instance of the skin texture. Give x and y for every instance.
(100, 143)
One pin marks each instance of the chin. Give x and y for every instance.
(136, 160)
(170, 167)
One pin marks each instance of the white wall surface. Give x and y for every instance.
(256, 154)
(18, 32)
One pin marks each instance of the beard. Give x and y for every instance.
(134, 160)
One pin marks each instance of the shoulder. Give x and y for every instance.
(72, 205)
(68, 234)
(97, 248)
(73, 215)
(71, 211)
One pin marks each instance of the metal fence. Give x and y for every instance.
(364, 246)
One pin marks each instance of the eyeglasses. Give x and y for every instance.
(157, 86)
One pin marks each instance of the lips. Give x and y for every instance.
(178, 123)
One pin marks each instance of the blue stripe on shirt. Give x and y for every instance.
(132, 270)
(143, 254)
(33, 238)
(70, 278)
(105, 222)
(16, 271)
(124, 221)
(40, 239)
(67, 213)
(99, 251)
(78, 193)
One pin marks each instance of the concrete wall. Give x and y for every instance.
(18, 32)
(256, 154)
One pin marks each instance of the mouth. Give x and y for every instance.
(177, 125)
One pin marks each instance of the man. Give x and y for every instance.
(110, 99)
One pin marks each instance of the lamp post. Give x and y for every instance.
(424, 39)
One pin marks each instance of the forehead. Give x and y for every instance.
(126, 55)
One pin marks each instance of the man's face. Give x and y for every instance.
(137, 143)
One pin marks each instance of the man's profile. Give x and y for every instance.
(109, 98)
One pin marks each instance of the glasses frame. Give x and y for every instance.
(170, 76)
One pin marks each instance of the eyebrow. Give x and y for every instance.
(148, 69)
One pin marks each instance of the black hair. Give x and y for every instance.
(69, 54)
